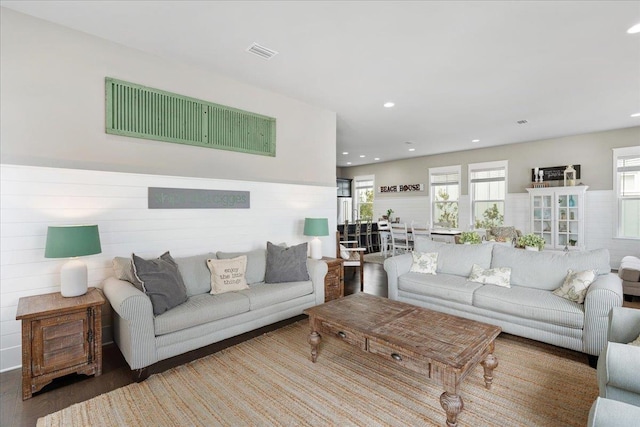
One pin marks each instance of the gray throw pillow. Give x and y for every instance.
(161, 281)
(123, 270)
(286, 264)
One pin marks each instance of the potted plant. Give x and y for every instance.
(531, 242)
(389, 213)
(470, 238)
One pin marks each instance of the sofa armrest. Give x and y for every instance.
(317, 271)
(134, 331)
(618, 374)
(603, 294)
(395, 267)
(611, 413)
(624, 324)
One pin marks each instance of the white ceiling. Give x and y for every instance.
(457, 71)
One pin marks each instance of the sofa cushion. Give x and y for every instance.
(123, 270)
(266, 294)
(196, 275)
(200, 309)
(286, 264)
(456, 259)
(424, 262)
(575, 285)
(256, 263)
(161, 281)
(449, 287)
(530, 303)
(547, 270)
(491, 276)
(227, 275)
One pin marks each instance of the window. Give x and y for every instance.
(364, 197)
(444, 194)
(487, 191)
(626, 182)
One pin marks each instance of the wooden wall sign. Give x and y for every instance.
(188, 198)
(400, 188)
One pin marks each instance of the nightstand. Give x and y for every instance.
(60, 336)
(334, 280)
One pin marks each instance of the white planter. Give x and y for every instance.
(532, 248)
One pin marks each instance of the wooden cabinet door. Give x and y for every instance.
(60, 342)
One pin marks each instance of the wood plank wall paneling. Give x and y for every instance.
(32, 198)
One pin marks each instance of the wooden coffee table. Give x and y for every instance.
(438, 346)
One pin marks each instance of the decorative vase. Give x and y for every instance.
(532, 248)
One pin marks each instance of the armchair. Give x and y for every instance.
(619, 363)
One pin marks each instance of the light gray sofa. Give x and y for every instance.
(204, 319)
(528, 308)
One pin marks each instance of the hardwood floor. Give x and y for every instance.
(71, 389)
(66, 391)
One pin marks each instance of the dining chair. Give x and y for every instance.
(419, 230)
(352, 256)
(369, 236)
(399, 238)
(384, 234)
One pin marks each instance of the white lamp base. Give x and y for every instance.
(315, 247)
(74, 278)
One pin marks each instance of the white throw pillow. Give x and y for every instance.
(228, 274)
(500, 276)
(576, 284)
(424, 262)
(636, 342)
(344, 253)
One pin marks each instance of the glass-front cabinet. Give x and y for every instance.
(557, 214)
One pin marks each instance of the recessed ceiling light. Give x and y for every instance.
(475, 140)
(389, 104)
(362, 155)
(348, 163)
(412, 149)
(345, 153)
(635, 115)
(634, 30)
(377, 158)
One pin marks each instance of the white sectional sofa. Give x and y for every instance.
(203, 319)
(528, 307)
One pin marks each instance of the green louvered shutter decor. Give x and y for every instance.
(143, 112)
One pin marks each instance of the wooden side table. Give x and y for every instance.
(60, 336)
(334, 280)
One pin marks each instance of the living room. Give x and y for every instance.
(58, 166)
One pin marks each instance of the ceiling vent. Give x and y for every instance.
(261, 51)
(522, 122)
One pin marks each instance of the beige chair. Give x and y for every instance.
(399, 238)
(352, 255)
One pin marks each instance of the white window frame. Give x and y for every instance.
(617, 154)
(356, 199)
(457, 169)
(476, 167)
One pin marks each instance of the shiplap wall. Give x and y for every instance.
(32, 198)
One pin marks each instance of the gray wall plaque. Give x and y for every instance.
(188, 198)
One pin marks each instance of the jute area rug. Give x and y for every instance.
(270, 381)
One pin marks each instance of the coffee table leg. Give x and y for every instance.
(314, 340)
(453, 405)
(489, 364)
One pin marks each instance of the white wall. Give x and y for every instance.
(53, 111)
(32, 198)
(58, 165)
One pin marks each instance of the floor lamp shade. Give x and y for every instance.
(70, 242)
(316, 227)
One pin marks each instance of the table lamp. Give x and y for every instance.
(316, 227)
(70, 242)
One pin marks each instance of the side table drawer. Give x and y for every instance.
(354, 338)
(400, 357)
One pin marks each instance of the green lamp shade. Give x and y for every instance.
(72, 241)
(316, 227)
